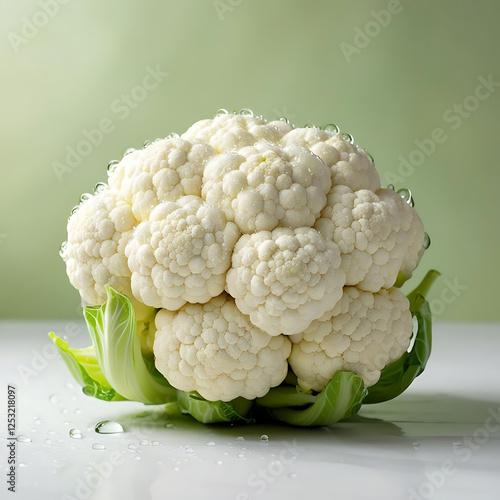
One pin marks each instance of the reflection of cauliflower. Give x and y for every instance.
(243, 232)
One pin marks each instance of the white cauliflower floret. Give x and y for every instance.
(364, 333)
(213, 348)
(165, 170)
(350, 166)
(229, 132)
(181, 254)
(95, 252)
(376, 233)
(263, 186)
(286, 278)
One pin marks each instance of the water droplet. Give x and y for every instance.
(371, 157)
(32, 429)
(310, 125)
(284, 119)
(112, 166)
(146, 144)
(170, 426)
(23, 439)
(348, 137)
(456, 444)
(241, 455)
(64, 411)
(75, 434)
(173, 135)
(54, 399)
(84, 197)
(221, 112)
(51, 433)
(98, 446)
(189, 450)
(240, 438)
(108, 427)
(132, 447)
(332, 128)
(391, 187)
(415, 444)
(246, 112)
(145, 442)
(406, 195)
(427, 241)
(264, 438)
(155, 443)
(62, 249)
(128, 151)
(37, 421)
(210, 443)
(137, 457)
(48, 442)
(100, 187)
(176, 469)
(219, 462)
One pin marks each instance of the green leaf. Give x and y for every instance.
(398, 375)
(113, 330)
(341, 398)
(210, 412)
(83, 365)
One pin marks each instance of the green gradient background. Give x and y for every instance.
(275, 57)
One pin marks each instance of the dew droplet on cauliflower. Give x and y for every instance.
(375, 232)
(365, 332)
(214, 349)
(263, 186)
(229, 132)
(164, 171)
(286, 278)
(95, 253)
(181, 254)
(350, 165)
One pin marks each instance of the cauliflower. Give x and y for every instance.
(215, 349)
(363, 333)
(243, 258)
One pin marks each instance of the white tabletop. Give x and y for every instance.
(439, 440)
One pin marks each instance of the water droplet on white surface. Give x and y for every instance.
(48, 442)
(54, 399)
(98, 446)
(132, 447)
(23, 439)
(219, 462)
(155, 443)
(210, 443)
(38, 421)
(332, 128)
(240, 438)
(415, 444)
(456, 444)
(241, 455)
(78, 411)
(189, 450)
(264, 438)
(170, 426)
(137, 457)
(75, 434)
(108, 427)
(145, 442)
(51, 433)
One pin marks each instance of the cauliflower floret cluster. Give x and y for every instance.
(256, 246)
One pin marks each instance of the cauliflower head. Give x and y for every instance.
(250, 247)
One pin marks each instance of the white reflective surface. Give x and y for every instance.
(439, 440)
